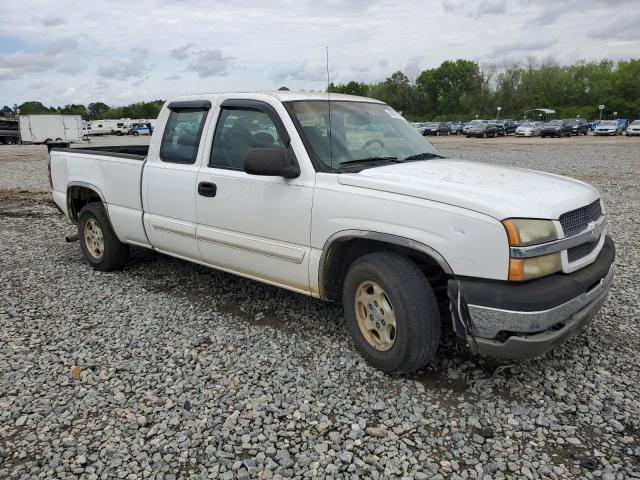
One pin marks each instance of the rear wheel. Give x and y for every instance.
(100, 246)
(391, 312)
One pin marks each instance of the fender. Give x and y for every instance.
(88, 186)
(345, 235)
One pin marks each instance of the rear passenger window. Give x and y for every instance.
(238, 131)
(181, 135)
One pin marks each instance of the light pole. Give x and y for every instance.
(601, 108)
(498, 117)
(615, 114)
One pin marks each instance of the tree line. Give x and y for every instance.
(93, 111)
(461, 89)
(458, 90)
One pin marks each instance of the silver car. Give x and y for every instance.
(529, 129)
(608, 127)
(633, 128)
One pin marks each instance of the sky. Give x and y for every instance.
(120, 52)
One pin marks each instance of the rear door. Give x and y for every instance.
(255, 226)
(170, 181)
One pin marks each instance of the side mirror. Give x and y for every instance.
(273, 162)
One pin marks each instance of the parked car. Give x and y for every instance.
(436, 128)
(579, 126)
(624, 123)
(500, 130)
(508, 124)
(141, 129)
(608, 127)
(556, 128)
(633, 128)
(8, 131)
(529, 129)
(483, 130)
(593, 124)
(455, 128)
(384, 225)
(472, 123)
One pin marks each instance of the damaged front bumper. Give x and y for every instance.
(519, 321)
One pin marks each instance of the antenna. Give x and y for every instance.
(329, 104)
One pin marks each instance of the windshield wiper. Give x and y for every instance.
(422, 156)
(371, 159)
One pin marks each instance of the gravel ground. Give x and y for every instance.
(171, 370)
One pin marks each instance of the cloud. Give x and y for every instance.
(125, 68)
(523, 47)
(621, 27)
(181, 53)
(302, 72)
(15, 65)
(475, 9)
(52, 21)
(209, 63)
(173, 77)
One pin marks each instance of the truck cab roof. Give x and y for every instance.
(281, 95)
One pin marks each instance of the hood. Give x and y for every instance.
(501, 192)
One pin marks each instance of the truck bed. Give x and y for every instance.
(114, 172)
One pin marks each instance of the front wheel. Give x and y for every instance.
(391, 312)
(100, 246)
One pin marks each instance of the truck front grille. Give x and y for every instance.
(576, 253)
(577, 220)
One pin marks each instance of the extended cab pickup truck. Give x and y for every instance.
(343, 200)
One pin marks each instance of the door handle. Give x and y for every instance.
(207, 189)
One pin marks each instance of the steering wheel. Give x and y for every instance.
(371, 142)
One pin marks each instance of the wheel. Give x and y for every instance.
(438, 133)
(9, 141)
(391, 312)
(48, 140)
(100, 246)
(467, 136)
(135, 134)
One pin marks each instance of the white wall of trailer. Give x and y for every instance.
(43, 128)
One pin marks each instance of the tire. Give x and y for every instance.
(413, 305)
(135, 134)
(438, 133)
(48, 141)
(467, 136)
(112, 254)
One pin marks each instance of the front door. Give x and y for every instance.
(255, 226)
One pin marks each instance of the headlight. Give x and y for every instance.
(523, 232)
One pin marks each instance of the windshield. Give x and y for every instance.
(555, 122)
(635, 122)
(528, 125)
(608, 123)
(360, 131)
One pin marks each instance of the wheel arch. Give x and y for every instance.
(81, 193)
(342, 248)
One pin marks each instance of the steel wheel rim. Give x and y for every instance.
(375, 316)
(93, 239)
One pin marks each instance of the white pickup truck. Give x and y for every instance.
(345, 201)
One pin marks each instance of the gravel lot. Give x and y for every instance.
(171, 370)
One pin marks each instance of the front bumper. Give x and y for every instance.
(522, 321)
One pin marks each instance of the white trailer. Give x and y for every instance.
(50, 128)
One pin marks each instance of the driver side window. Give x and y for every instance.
(237, 132)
